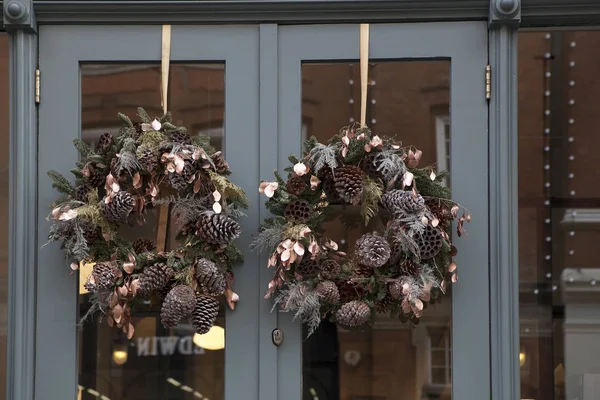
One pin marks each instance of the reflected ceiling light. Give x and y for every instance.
(119, 356)
(186, 389)
(85, 270)
(214, 339)
(173, 382)
(103, 397)
(522, 358)
(198, 395)
(93, 392)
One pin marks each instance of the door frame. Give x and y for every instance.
(22, 18)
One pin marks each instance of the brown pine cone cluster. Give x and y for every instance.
(373, 250)
(119, 207)
(217, 228)
(143, 245)
(221, 165)
(205, 313)
(154, 278)
(104, 276)
(402, 202)
(296, 185)
(353, 314)
(329, 292)
(348, 181)
(177, 306)
(209, 278)
(330, 269)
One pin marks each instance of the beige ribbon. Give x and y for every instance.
(165, 59)
(364, 71)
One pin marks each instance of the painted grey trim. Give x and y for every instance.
(19, 14)
(465, 45)
(503, 12)
(534, 12)
(256, 11)
(503, 208)
(268, 385)
(57, 296)
(22, 217)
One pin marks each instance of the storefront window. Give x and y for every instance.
(157, 363)
(559, 214)
(394, 358)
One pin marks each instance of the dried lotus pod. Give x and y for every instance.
(430, 242)
(298, 210)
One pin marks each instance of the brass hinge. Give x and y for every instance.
(488, 82)
(37, 86)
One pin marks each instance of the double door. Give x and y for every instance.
(258, 91)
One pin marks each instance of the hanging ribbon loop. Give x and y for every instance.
(364, 72)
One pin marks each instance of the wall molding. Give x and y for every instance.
(504, 20)
(19, 21)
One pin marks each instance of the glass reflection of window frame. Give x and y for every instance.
(442, 141)
(446, 349)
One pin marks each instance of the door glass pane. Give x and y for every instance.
(392, 360)
(559, 214)
(157, 363)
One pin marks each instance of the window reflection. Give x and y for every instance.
(156, 363)
(392, 360)
(559, 210)
(4, 199)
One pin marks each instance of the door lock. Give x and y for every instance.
(277, 336)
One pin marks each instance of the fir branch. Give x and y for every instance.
(60, 183)
(203, 142)
(84, 149)
(269, 237)
(430, 188)
(127, 159)
(321, 156)
(143, 115)
(306, 307)
(125, 119)
(371, 195)
(230, 191)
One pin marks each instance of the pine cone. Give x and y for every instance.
(349, 183)
(177, 306)
(363, 271)
(430, 242)
(113, 170)
(330, 269)
(211, 280)
(372, 250)
(221, 166)
(205, 314)
(329, 291)
(143, 245)
(441, 210)
(410, 268)
(104, 143)
(217, 228)
(298, 210)
(296, 185)
(90, 231)
(189, 169)
(147, 157)
(120, 207)
(103, 277)
(96, 177)
(396, 254)
(354, 313)
(384, 305)
(349, 291)
(180, 136)
(395, 289)
(177, 181)
(402, 202)
(81, 193)
(308, 268)
(326, 177)
(154, 278)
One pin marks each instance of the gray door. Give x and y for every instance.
(258, 90)
(427, 88)
(88, 74)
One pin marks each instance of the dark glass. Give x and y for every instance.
(157, 363)
(408, 100)
(559, 214)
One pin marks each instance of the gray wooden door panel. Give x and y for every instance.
(465, 45)
(62, 49)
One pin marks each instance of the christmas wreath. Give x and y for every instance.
(151, 164)
(398, 267)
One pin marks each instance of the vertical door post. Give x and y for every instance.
(504, 20)
(19, 21)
